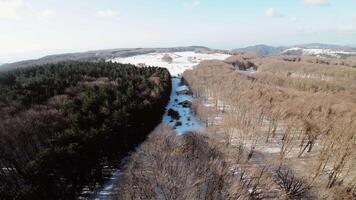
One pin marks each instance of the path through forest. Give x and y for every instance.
(185, 123)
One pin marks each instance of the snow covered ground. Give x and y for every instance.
(188, 120)
(108, 187)
(181, 60)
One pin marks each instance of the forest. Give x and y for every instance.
(62, 126)
(292, 114)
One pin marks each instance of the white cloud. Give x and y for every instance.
(18, 10)
(316, 2)
(108, 13)
(354, 16)
(189, 5)
(271, 12)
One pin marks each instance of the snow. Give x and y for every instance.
(181, 60)
(189, 121)
(182, 88)
(320, 52)
(267, 149)
(312, 76)
(108, 187)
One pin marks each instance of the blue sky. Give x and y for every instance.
(33, 28)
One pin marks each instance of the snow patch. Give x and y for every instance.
(108, 187)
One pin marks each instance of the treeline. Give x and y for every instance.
(63, 125)
(188, 166)
(201, 165)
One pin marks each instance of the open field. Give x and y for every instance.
(181, 61)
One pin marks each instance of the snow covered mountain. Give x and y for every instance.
(334, 53)
(311, 49)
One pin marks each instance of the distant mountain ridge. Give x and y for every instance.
(266, 50)
(314, 49)
(98, 55)
(322, 46)
(261, 50)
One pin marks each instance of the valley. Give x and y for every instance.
(245, 104)
(185, 121)
(177, 100)
(250, 124)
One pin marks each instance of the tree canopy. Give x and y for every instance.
(63, 125)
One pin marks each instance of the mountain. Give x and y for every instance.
(321, 50)
(311, 49)
(95, 56)
(261, 50)
(322, 46)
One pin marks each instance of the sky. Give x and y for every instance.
(35, 28)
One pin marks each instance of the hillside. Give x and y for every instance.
(311, 49)
(99, 55)
(261, 50)
(65, 127)
(246, 128)
(292, 120)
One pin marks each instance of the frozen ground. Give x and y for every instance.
(189, 121)
(108, 187)
(181, 60)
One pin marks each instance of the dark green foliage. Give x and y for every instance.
(62, 124)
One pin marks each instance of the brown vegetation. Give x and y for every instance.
(192, 166)
(306, 123)
(167, 58)
(175, 167)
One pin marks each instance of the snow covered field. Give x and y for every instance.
(181, 60)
